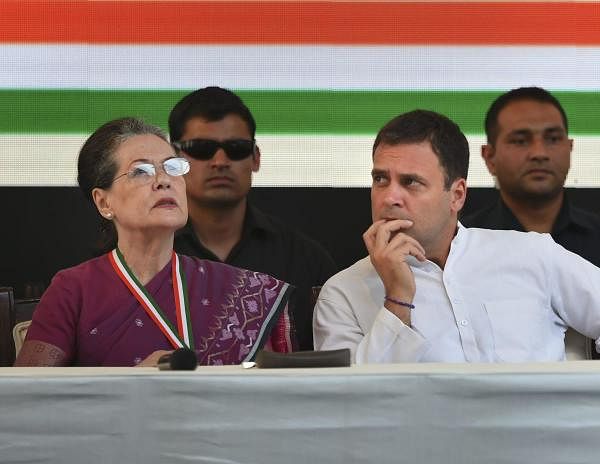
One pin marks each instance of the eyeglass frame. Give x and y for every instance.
(181, 159)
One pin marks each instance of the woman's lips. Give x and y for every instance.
(166, 203)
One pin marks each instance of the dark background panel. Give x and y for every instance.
(45, 229)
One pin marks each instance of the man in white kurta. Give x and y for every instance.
(433, 291)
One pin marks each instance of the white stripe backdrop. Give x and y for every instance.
(299, 67)
(295, 161)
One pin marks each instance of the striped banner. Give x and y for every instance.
(320, 77)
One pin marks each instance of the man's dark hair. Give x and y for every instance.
(522, 93)
(446, 139)
(211, 104)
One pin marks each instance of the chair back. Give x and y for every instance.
(12, 312)
(7, 321)
(24, 309)
(578, 347)
(19, 334)
(314, 295)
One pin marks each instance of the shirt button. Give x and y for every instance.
(464, 322)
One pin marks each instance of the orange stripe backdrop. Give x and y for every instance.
(181, 22)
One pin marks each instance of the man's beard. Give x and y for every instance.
(221, 203)
(533, 197)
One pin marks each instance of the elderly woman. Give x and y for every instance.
(139, 301)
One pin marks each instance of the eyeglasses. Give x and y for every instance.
(205, 149)
(145, 172)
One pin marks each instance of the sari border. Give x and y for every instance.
(270, 320)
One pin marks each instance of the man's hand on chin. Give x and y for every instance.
(388, 247)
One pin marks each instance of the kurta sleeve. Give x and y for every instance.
(575, 290)
(347, 317)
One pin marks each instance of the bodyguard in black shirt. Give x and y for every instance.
(529, 152)
(215, 130)
(575, 229)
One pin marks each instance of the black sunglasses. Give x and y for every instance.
(205, 149)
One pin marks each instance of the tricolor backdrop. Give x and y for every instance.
(320, 77)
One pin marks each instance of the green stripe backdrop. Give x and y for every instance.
(276, 112)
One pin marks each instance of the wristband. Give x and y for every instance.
(398, 302)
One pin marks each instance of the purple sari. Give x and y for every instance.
(91, 315)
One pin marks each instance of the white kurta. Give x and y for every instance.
(504, 296)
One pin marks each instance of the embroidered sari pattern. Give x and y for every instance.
(242, 323)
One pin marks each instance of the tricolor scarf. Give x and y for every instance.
(231, 320)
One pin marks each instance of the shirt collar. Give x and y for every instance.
(255, 221)
(571, 216)
(568, 216)
(427, 265)
(502, 214)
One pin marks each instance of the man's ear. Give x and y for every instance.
(256, 159)
(458, 191)
(488, 154)
(102, 202)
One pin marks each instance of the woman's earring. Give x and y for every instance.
(108, 216)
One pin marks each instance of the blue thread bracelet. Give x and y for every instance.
(398, 302)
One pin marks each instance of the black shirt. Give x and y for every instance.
(267, 245)
(575, 229)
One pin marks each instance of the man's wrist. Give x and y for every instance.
(399, 302)
(401, 311)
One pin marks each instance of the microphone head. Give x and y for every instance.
(183, 359)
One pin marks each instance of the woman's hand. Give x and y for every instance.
(152, 359)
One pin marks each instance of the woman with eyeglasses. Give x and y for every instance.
(141, 300)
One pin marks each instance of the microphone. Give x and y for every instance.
(182, 359)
